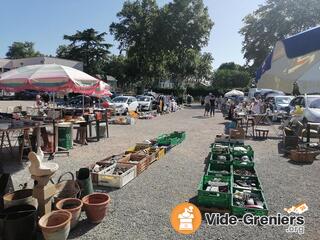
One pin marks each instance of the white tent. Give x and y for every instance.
(234, 93)
(295, 60)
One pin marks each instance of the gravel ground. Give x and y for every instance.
(141, 209)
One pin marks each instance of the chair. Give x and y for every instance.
(250, 123)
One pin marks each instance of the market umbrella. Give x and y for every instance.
(48, 77)
(102, 89)
(234, 92)
(295, 60)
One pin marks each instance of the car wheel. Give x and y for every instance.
(126, 112)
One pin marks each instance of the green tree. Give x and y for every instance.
(186, 29)
(158, 42)
(135, 32)
(231, 75)
(22, 50)
(117, 67)
(273, 21)
(87, 46)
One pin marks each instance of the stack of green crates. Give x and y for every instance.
(227, 170)
(171, 139)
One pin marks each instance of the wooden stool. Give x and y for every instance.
(239, 121)
(25, 143)
(262, 133)
(250, 123)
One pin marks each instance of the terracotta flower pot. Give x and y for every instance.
(72, 205)
(56, 225)
(95, 206)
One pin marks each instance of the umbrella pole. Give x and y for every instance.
(82, 104)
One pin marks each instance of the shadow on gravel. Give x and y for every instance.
(299, 163)
(200, 117)
(281, 148)
(206, 161)
(82, 228)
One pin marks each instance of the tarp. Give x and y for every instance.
(295, 60)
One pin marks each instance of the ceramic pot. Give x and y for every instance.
(72, 205)
(20, 197)
(95, 206)
(56, 225)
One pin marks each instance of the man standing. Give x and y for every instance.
(212, 104)
(207, 105)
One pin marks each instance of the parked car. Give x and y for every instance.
(310, 105)
(7, 95)
(146, 103)
(279, 103)
(124, 104)
(27, 95)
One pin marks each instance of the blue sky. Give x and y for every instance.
(45, 23)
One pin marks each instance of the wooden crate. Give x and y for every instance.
(108, 166)
(161, 153)
(115, 158)
(142, 161)
(109, 179)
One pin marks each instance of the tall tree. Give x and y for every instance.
(87, 46)
(231, 75)
(22, 50)
(158, 41)
(187, 27)
(135, 32)
(117, 67)
(273, 21)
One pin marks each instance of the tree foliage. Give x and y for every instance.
(273, 21)
(231, 75)
(22, 50)
(87, 46)
(164, 43)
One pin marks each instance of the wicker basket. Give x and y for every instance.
(303, 155)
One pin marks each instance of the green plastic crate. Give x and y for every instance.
(173, 139)
(249, 168)
(235, 153)
(240, 211)
(214, 161)
(214, 199)
(239, 163)
(254, 179)
(216, 169)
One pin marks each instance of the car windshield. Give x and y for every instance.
(143, 98)
(120, 100)
(108, 99)
(315, 103)
(283, 100)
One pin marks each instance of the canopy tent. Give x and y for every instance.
(48, 77)
(295, 60)
(234, 92)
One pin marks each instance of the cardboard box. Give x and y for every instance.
(237, 133)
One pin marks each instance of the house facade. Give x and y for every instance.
(8, 64)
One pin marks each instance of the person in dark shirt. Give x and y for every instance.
(212, 105)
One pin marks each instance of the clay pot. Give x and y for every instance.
(56, 225)
(20, 197)
(72, 205)
(95, 206)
